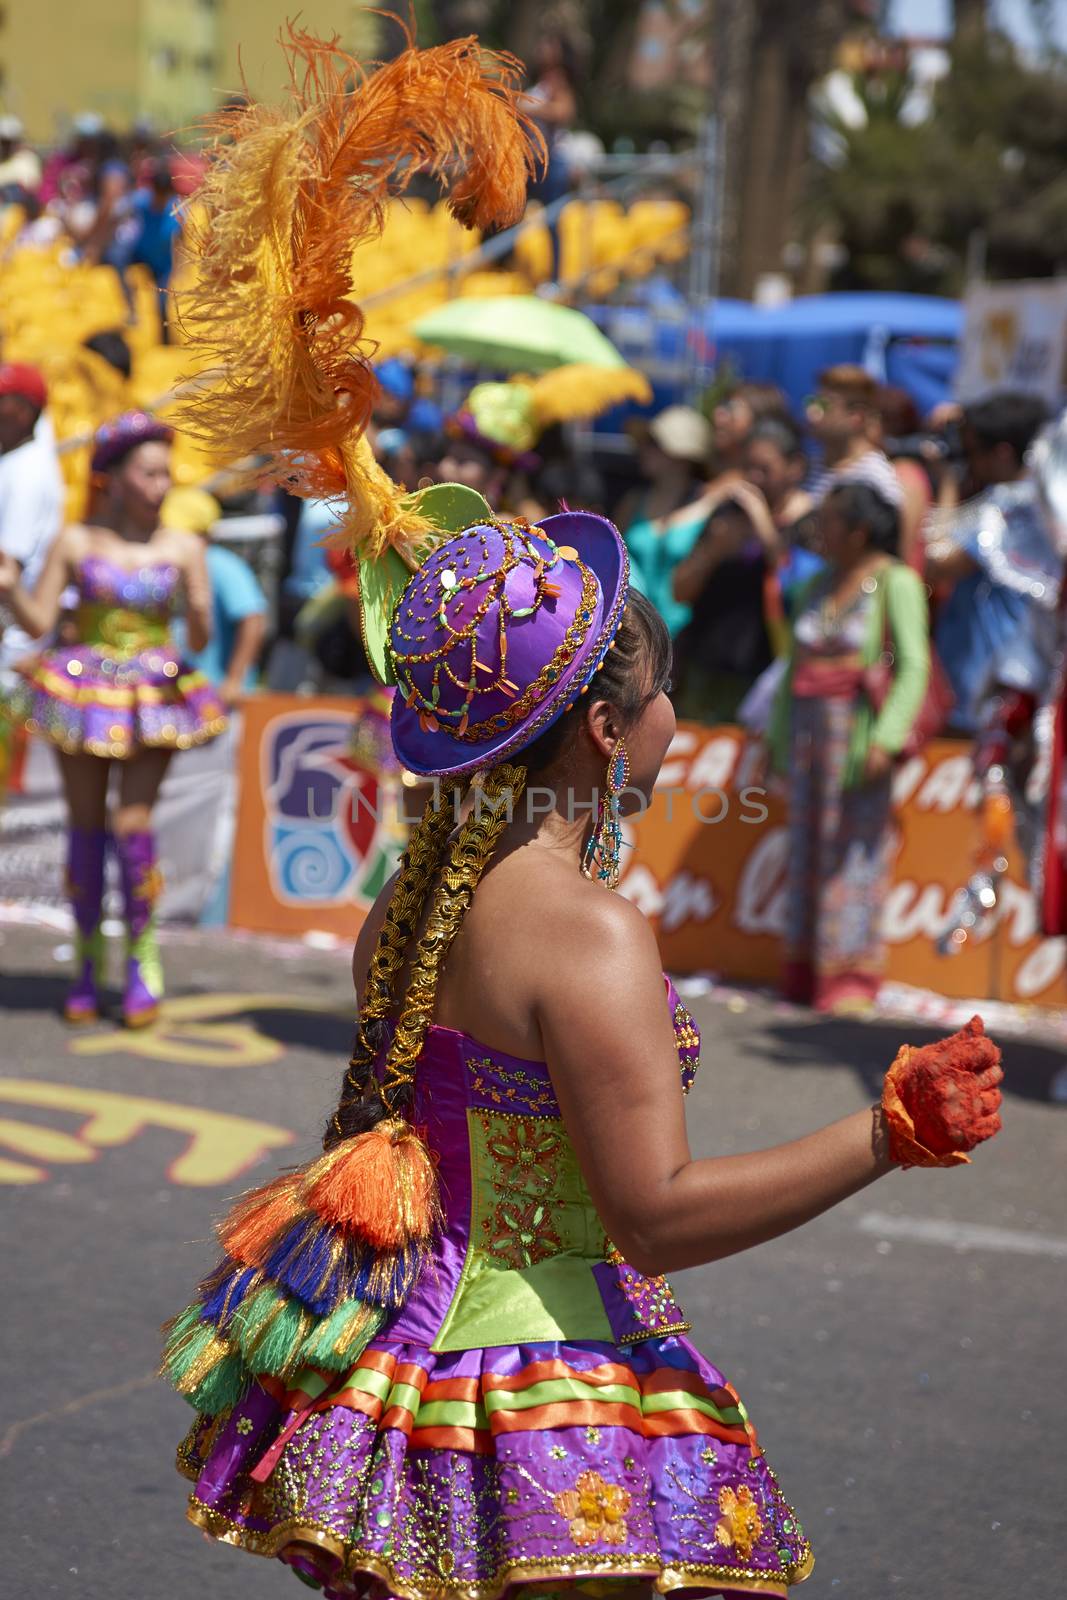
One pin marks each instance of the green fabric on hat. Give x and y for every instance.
(450, 507)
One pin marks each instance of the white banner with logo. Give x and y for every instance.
(194, 823)
(1014, 337)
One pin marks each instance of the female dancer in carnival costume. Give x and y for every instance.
(119, 694)
(439, 1360)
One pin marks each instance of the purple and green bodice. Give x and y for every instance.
(114, 680)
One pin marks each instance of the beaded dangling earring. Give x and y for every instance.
(603, 853)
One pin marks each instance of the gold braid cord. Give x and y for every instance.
(406, 904)
(479, 836)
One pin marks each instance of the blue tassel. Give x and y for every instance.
(316, 1264)
(387, 1280)
(219, 1305)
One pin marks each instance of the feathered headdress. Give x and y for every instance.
(290, 195)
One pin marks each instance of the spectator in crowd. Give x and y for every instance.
(111, 346)
(396, 382)
(20, 168)
(31, 512)
(742, 576)
(156, 229)
(74, 159)
(836, 751)
(841, 418)
(552, 101)
(984, 589)
(662, 521)
(88, 191)
(238, 605)
(469, 454)
(896, 429)
(736, 414)
(309, 570)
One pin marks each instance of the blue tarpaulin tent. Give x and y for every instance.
(904, 339)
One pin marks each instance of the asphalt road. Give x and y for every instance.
(902, 1357)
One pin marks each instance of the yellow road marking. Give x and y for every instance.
(220, 1146)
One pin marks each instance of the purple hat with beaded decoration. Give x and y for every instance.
(498, 633)
(114, 440)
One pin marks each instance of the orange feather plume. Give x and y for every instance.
(289, 195)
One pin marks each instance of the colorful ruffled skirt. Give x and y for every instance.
(85, 698)
(429, 1475)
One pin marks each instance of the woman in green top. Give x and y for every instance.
(837, 752)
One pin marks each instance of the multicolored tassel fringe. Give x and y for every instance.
(315, 1261)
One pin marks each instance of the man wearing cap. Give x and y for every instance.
(20, 169)
(31, 508)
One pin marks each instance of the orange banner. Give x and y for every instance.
(317, 839)
(708, 869)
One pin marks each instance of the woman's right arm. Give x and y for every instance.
(611, 1051)
(39, 611)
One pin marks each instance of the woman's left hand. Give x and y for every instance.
(879, 764)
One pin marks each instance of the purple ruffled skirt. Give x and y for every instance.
(472, 1472)
(85, 699)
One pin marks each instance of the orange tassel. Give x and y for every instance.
(381, 1186)
(254, 1223)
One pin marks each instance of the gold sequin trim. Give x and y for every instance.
(655, 1333)
(665, 1579)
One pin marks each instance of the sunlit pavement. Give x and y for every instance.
(902, 1358)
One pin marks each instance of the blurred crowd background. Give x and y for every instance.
(857, 165)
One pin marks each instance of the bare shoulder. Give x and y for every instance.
(73, 539)
(594, 912)
(566, 918)
(179, 545)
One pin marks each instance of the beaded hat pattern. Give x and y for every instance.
(498, 633)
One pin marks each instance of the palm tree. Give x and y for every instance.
(969, 16)
(771, 53)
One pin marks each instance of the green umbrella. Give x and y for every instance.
(517, 333)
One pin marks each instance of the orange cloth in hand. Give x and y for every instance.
(942, 1100)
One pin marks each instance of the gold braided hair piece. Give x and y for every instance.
(479, 836)
(419, 867)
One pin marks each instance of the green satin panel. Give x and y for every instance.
(121, 631)
(452, 1414)
(682, 1400)
(556, 1389)
(535, 1237)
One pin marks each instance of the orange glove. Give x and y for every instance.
(942, 1100)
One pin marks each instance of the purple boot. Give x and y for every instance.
(141, 886)
(85, 886)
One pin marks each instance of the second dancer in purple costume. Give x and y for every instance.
(117, 692)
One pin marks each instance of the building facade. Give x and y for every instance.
(168, 62)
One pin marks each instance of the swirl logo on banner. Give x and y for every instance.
(327, 816)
